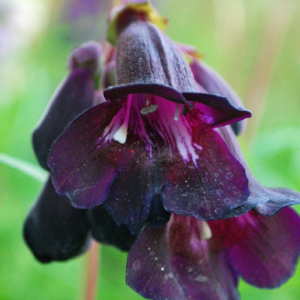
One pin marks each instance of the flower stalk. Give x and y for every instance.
(93, 271)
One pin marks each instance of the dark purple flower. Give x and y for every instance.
(154, 143)
(74, 95)
(54, 229)
(193, 259)
(265, 201)
(213, 83)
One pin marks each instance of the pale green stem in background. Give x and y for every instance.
(24, 167)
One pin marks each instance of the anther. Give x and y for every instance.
(176, 117)
(121, 134)
(149, 109)
(205, 231)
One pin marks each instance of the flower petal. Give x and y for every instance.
(106, 231)
(209, 187)
(172, 263)
(202, 272)
(149, 270)
(136, 189)
(279, 198)
(264, 250)
(74, 95)
(213, 83)
(264, 200)
(78, 168)
(144, 54)
(216, 110)
(164, 91)
(55, 230)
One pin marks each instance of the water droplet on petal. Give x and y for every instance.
(136, 265)
(76, 193)
(227, 201)
(218, 210)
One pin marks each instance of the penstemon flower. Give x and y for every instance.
(193, 259)
(157, 165)
(152, 147)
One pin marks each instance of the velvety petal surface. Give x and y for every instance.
(106, 231)
(55, 230)
(263, 250)
(213, 83)
(73, 96)
(144, 54)
(172, 263)
(78, 168)
(264, 200)
(210, 185)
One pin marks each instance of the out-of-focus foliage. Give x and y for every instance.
(253, 44)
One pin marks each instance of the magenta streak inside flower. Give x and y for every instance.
(174, 262)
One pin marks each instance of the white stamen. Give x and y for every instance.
(121, 134)
(176, 117)
(205, 231)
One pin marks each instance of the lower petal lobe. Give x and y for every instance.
(149, 270)
(263, 250)
(171, 262)
(268, 256)
(54, 229)
(137, 187)
(78, 167)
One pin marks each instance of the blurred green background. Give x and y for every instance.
(253, 44)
